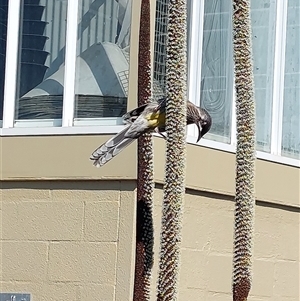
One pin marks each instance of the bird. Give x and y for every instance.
(147, 118)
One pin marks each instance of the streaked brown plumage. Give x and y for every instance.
(147, 118)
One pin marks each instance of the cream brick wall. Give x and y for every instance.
(207, 241)
(66, 240)
(74, 240)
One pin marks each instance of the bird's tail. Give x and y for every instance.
(110, 148)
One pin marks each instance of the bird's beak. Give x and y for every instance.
(199, 131)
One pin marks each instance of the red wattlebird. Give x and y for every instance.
(148, 118)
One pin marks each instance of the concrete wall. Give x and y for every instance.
(207, 244)
(74, 240)
(68, 240)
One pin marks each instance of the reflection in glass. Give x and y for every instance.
(263, 14)
(102, 58)
(217, 68)
(41, 70)
(3, 33)
(291, 101)
(160, 43)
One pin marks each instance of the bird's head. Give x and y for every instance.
(203, 123)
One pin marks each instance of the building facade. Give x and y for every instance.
(67, 228)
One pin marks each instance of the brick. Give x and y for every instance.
(219, 273)
(84, 185)
(221, 224)
(210, 201)
(101, 221)
(25, 194)
(42, 220)
(265, 245)
(43, 291)
(287, 241)
(157, 213)
(193, 263)
(263, 278)
(98, 191)
(286, 279)
(286, 298)
(1, 219)
(191, 294)
(129, 196)
(84, 195)
(218, 297)
(126, 246)
(85, 262)
(90, 292)
(195, 234)
(276, 234)
(267, 232)
(258, 298)
(24, 261)
(202, 219)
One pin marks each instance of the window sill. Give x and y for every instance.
(51, 131)
(232, 148)
(98, 130)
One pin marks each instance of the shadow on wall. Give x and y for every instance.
(71, 185)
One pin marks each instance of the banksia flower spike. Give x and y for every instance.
(145, 183)
(174, 188)
(245, 153)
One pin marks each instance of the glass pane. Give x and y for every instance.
(160, 43)
(217, 68)
(102, 63)
(291, 101)
(41, 61)
(263, 14)
(3, 30)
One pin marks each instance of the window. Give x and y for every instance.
(103, 52)
(64, 65)
(263, 15)
(216, 79)
(276, 59)
(291, 95)
(68, 59)
(42, 44)
(3, 33)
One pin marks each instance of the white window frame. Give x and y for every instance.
(13, 31)
(277, 105)
(195, 55)
(66, 125)
(70, 64)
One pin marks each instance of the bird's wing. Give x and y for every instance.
(112, 152)
(142, 119)
(147, 121)
(110, 148)
(132, 115)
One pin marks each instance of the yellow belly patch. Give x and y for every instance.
(156, 119)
